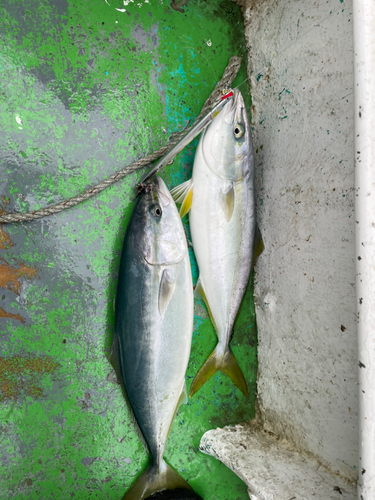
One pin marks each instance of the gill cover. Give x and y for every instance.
(164, 245)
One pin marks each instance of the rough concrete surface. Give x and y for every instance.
(301, 67)
(272, 469)
(301, 71)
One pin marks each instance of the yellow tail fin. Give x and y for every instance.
(226, 363)
(153, 481)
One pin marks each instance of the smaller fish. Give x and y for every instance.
(226, 241)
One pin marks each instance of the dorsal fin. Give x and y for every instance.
(115, 360)
(183, 193)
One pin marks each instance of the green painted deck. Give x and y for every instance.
(86, 88)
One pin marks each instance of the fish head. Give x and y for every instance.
(227, 143)
(159, 236)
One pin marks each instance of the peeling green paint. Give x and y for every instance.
(86, 89)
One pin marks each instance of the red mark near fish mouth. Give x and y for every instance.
(225, 96)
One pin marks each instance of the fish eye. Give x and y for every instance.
(156, 211)
(238, 130)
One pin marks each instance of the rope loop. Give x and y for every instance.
(229, 75)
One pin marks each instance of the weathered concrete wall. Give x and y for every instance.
(300, 60)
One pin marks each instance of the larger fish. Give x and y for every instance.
(153, 328)
(223, 228)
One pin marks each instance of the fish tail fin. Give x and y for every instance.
(226, 363)
(160, 480)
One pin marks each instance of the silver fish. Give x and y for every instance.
(153, 328)
(221, 200)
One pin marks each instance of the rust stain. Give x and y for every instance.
(22, 374)
(4, 314)
(9, 277)
(5, 241)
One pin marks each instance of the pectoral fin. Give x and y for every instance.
(183, 194)
(258, 245)
(227, 201)
(166, 289)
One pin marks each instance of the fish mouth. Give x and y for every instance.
(162, 191)
(158, 189)
(233, 109)
(240, 108)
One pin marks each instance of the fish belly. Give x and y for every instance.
(223, 248)
(154, 349)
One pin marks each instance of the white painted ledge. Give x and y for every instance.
(271, 469)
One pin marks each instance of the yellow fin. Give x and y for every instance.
(258, 245)
(201, 294)
(227, 364)
(186, 204)
(154, 480)
(227, 202)
(231, 368)
(183, 193)
(205, 373)
(179, 192)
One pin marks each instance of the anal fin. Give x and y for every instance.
(184, 396)
(114, 359)
(258, 245)
(200, 294)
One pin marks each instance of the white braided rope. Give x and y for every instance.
(226, 81)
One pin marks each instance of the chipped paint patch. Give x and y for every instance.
(5, 241)
(10, 277)
(4, 314)
(21, 374)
